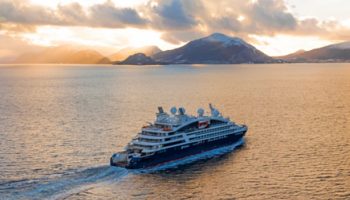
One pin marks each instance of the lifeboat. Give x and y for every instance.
(203, 124)
(167, 129)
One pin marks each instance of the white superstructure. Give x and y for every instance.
(177, 135)
(180, 129)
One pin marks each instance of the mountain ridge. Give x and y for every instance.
(339, 52)
(216, 48)
(63, 55)
(128, 51)
(138, 59)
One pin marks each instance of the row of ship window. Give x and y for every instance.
(221, 130)
(148, 140)
(153, 134)
(197, 132)
(219, 134)
(159, 140)
(209, 130)
(211, 135)
(177, 137)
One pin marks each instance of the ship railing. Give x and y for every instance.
(138, 142)
(206, 130)
(153, 134)
(149, 140)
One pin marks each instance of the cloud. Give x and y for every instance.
(242, 19)
(107, 15)
(172, 14)
(22, 13)
(99, 15)
(178, 37)
(72, 14)
(234, 17)
(14, 28)
(178, 20)
(272, 14)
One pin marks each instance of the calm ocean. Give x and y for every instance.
(59, 125)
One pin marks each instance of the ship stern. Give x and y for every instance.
(119, 160)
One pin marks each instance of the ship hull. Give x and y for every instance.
(180, 152)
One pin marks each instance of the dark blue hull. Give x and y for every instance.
(180, 152)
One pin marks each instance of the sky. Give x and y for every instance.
(276, 27)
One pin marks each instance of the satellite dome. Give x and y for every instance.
(200, 112)
(173, 110)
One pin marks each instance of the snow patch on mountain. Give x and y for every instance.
(225, 40)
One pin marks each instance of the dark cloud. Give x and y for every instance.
(243, 18)
(260, 17)
(107, 15)
(73, 14)
(172, 14)
(272, 14)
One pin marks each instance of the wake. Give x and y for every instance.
(61, 187)
(85, 179)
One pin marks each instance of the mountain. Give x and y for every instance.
(63, 55)
(292, 55)
(124, 53)
(138, 59)
(332, 53)
(214, 49)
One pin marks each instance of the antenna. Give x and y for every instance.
(160, 110)
(214, 112)
(211, 107)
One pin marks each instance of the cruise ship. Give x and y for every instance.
(177, 135)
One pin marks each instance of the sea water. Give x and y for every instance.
(59, 125)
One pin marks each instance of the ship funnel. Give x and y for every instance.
(160, 110)
(182, 111)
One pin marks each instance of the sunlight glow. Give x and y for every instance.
(112, 39)
(284, 44)
(240, 18)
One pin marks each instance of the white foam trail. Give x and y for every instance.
(111, 174)
(71, 184)
(194, 158)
